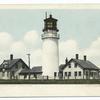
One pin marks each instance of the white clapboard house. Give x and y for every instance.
(77, 68)
(18, 69)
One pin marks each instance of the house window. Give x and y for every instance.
(75, 65)
(69, 65)
(75, 73)
(55, 74)
(65, 73)
(79, 73)
(91, 73)
(23, 66)
(69, 74)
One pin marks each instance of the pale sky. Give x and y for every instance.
(76, 24)
(79, 31)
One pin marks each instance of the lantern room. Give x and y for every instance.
(50, 24)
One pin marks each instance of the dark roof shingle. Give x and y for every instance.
(37, 69)
(85, 64)
(9, 63)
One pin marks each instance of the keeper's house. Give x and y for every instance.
(78, 69)
(18, 69)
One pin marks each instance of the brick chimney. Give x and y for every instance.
(66, 60)
(11, 56)
(85, 58)
(77, 55)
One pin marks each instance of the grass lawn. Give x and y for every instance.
(67, 81)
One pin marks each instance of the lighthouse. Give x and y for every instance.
(50, 49)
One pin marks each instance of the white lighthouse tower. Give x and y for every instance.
(50, 48)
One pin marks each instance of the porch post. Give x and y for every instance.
(98, 74)
(89, 74)
(83, 73)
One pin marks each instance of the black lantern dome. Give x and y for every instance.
(50, 24)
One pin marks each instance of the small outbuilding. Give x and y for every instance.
(34, 73)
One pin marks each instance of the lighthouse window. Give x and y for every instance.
(49, 24)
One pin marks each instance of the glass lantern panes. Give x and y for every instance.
(49, 24)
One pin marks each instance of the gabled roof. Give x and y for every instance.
(82, 63)
(37, 69)
(10, 63)
(85, 64)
